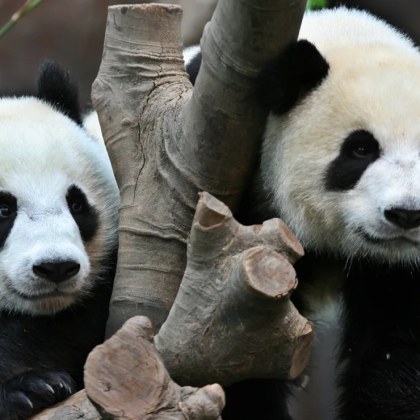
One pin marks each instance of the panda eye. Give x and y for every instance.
(83, 213)
(362, 150)
(5, 211)
(8, 205)
(76, 200)
(358, 150)
(76, 206)
(362, 145)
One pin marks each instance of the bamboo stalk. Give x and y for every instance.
(27, 7)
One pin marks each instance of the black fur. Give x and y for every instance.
(257, 399)
(380, 353)
(57, 88)
(358, 151)
(39, 350)
(85, 216)
(193, 67)
(298, 70)
(8, 209)
(381, 343)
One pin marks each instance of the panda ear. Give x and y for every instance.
(299, 69)
(57, 88)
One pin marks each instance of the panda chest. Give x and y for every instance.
(318, 297)
(320, 282)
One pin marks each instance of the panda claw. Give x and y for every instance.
(28, 401)
(28, 393)
(49, 388)
(68, 389)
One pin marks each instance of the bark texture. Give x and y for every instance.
(126, 379)
(137, 93)
(232, 318)
(167, 141)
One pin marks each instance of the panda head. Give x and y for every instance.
(341, 153)
(58, 200)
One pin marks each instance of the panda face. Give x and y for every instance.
(343, 166)
(58, 208)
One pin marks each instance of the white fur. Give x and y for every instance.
(190, 52)
(42, 154)
(373, 84)
(92, 125)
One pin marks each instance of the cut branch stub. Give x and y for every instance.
(232, 318)
(127, 379)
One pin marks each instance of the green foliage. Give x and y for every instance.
(316, 4)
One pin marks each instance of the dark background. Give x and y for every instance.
(72, 32)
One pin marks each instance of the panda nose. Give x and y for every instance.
(403, 218)
(56, 271)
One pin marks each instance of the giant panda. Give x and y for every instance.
(58, 237)
(340, 164)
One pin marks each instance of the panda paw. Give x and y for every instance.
(24, 395)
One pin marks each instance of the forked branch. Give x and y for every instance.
(232, 318)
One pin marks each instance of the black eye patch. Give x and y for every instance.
(357, 152)
(85, 216)
(8, 211)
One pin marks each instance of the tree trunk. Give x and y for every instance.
(167, 141)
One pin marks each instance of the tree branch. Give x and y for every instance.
(223, 122)
(232, 318)
(167, 143)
